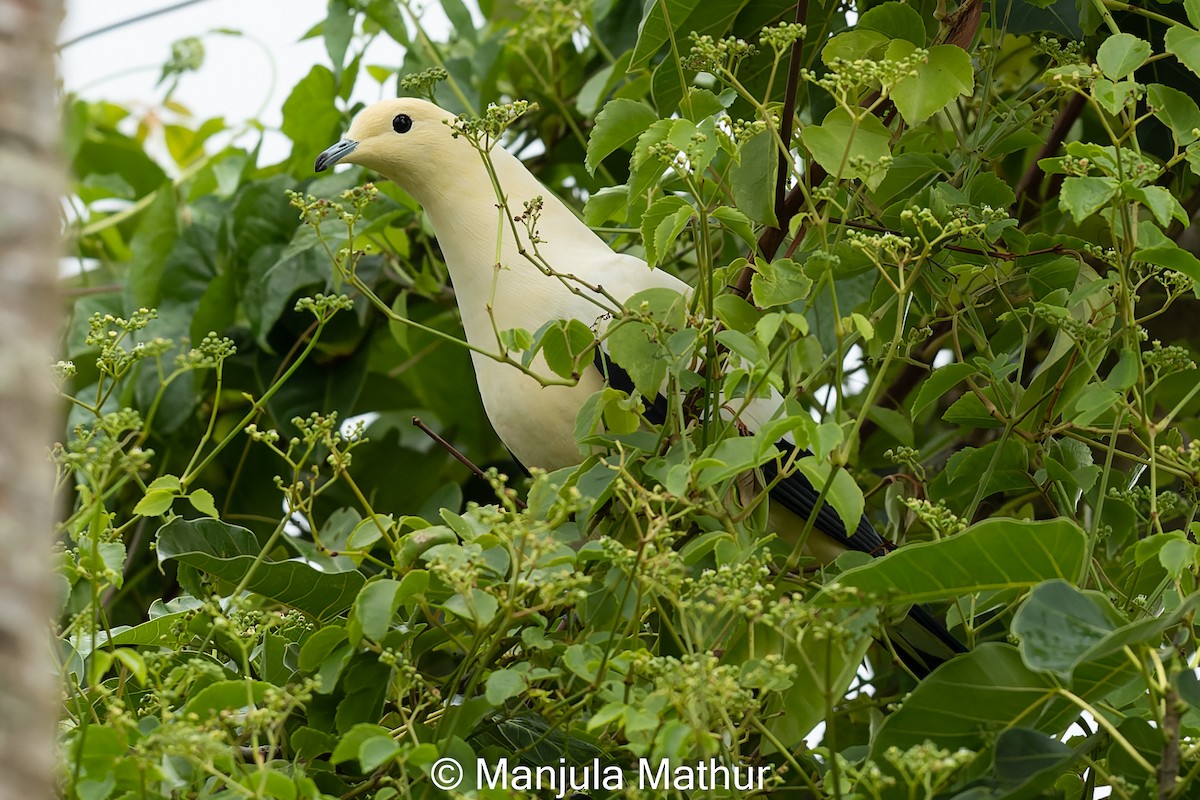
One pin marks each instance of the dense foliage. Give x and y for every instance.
(959, 241)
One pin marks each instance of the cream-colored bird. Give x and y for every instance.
(412, 143)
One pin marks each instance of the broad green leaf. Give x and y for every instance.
(202, 501)
(778, 283)
(633, 347)
(564, 345)
(1114, 97)
(376, 751)
(618, 123)
(231, 554)
(670, 20)
(155, 503)
(1177, 111)
(1084, 196)
(752, 178)
(311, 118)
(351, 741)
(844, 494)
(504, 684)
(965, 699)
(1161, 202)
(852, 45)
(166, 483)
(661, 223)
(338, 29)
(696, 141)
(1120, 54)
(946, 75)
(152, 243)
(375, 607)
(1192, 9)
(825, 667)
(729, 458)
(476, 606)
(895, 21)
(736, 221)
(991, 555)
(226, 695)
(608, 203)
(1184, 44)
(840, 138)
(1058, 623)
(1028, 762)
(938, 383)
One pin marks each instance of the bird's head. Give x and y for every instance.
(402, 139)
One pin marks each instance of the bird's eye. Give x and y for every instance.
(402, 123)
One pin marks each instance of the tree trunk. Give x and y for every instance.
(30, 185)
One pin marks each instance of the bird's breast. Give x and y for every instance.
(535, 422)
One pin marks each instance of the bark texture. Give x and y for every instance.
(30, 185)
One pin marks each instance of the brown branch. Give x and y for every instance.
(786, 205)
(1062, 126)
(468, 463)
(789, 115)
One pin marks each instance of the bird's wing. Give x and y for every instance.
(922, 646)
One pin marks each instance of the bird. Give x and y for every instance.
(498, 287)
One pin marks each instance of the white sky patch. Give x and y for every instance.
(243, 77)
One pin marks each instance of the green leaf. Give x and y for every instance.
(852, 45)
(991, 555)
(352, 740)
(153, 241)
(1192, 9)
(155, 503)
(840, 138)
(504, 684)
(338, 29)
(1058, 623)
(1028, 762)
(941, 381)
(376, 751)
(985, 690)
(752, 178)
(667, 20)
(1120, 54)
(475, 606)
(734, 220)
(1161, 202)
(1114, 97)
(633, 346)
(231, 554)
(1176, 110)
(1184, 44)
(375, 607)
(226, 695)
(311, 118)
(779, 283)
(202, 501)
(618, 123)
(844, 494)
(662, 223)
(1171, 257)
(564, 344)
(608, 203)
(946, 75)
(895, 21)
(1085, 196)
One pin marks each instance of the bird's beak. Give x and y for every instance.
(334, 154)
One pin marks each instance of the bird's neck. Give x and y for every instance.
(477, 232)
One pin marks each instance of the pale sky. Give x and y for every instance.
(236, 80)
